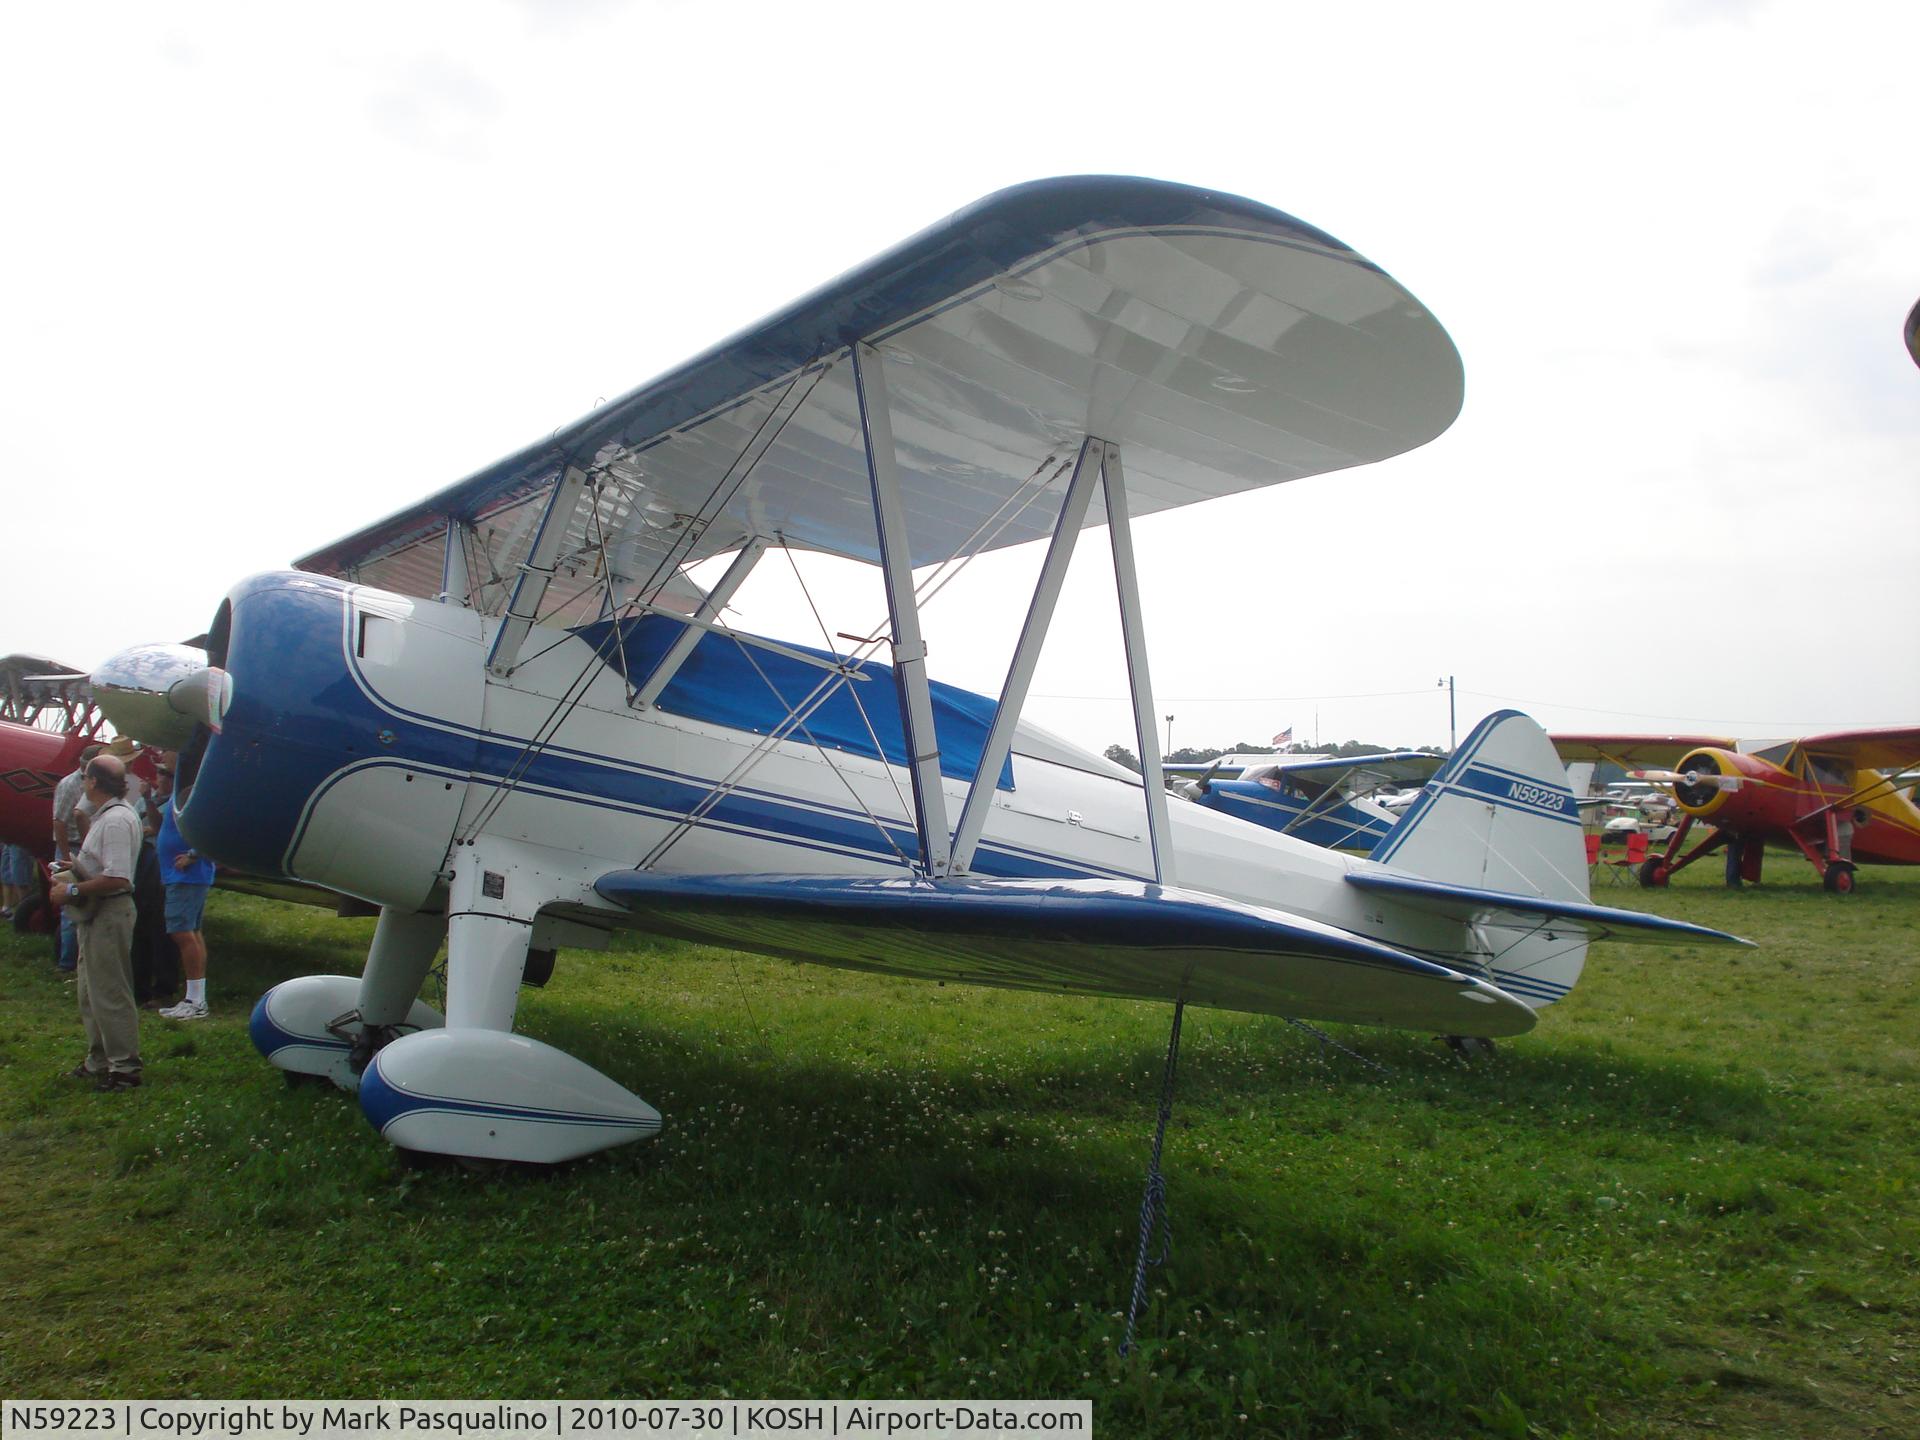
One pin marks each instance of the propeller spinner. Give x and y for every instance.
(158, 694)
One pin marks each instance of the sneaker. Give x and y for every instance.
(186, 1010)
(118, 1080)
(81, 1072)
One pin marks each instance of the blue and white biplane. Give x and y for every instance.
(483, 715)
(1330, 800)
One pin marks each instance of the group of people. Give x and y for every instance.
(130, 894)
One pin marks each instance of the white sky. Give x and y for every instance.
(271, 273)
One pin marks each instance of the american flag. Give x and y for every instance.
(1285, 737)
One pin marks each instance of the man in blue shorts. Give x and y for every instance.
(16, 879)
(187, 877)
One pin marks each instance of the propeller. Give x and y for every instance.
(1677, 778)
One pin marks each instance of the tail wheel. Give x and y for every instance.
(1839, 878)
(1655, 874)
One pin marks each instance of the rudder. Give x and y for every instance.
(1500, 816)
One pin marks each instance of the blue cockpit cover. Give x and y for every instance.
(747, 688)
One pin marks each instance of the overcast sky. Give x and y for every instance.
(272, 272)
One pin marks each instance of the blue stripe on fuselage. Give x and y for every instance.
(301, 708)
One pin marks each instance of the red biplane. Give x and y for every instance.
(47, 716)
(1840, 799)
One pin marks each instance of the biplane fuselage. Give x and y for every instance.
(366, 746)
(32, 760)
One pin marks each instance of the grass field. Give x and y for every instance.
(1685, 1204)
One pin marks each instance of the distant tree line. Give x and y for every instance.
(1191, 755)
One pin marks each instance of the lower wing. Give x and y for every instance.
(1097, 937)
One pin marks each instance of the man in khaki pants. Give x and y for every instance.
(101, 881)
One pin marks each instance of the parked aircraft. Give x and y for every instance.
(47, 717)
(474, 714)
(1830, 797)
(1330, 800)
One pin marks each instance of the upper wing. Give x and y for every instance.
(1398, 767)
(1185, 771)
(1224, 345)
(1098, 937)
(31, 684)
(1636, 751)
(1894, 748)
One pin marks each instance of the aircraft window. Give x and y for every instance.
(1830, 771)
(1775, 754)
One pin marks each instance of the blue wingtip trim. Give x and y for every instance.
(1603, 915)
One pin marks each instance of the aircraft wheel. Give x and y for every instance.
(1654, 874)
(1469, 1047)
(1839, 878)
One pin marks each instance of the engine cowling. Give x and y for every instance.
(347, 725)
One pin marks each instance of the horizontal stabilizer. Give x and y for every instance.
(1103, 937)
(1506, 911)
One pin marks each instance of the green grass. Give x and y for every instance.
(1685, 1204)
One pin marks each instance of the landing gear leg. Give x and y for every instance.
(487, 939)
(1658, 869)
(404, 944)
(1735, 851)
(474, 1090)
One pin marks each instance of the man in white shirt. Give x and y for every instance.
(101, 879)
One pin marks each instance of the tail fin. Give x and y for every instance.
(1499, 816)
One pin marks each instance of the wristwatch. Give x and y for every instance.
(73, 892)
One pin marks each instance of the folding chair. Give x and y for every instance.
(1625, 868)
(1593, 849)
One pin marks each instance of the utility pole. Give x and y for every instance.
(1169, 735)
(1453, 731)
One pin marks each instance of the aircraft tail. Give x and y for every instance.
(1499, 817)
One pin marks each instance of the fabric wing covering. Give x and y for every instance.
(1222, 344)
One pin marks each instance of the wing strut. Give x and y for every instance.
(536, 573)
(456, 582)
(1013, 694)
(903, 609)
(669, 664)
(1146, 734)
